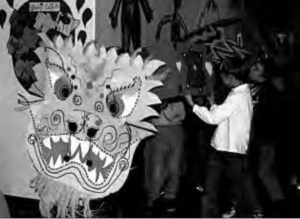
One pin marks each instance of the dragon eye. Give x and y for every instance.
(113, 107)
(122, 102)
(65, 92)
(62, 88)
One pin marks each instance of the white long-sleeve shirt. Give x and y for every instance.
(233, 118)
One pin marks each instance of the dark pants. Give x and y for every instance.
(197, 158)
(163, 154)
(131, 27)
(264, 161)
(267, 172)
(197, 149)
(231, 167)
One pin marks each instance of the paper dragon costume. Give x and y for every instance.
(86, 129)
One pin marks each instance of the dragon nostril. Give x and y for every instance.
(72, 127)
(91, 132)
(67, 158)
(89, 163)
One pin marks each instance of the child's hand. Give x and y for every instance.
(211, 98)
(189, 99)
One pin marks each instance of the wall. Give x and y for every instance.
(16, 169)
(190, 11)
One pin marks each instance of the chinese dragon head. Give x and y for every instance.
(85, 130)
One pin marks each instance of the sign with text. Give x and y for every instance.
(44, 6)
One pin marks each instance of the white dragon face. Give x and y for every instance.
(85, 131)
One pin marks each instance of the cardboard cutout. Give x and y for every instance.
(177, 24)
(130, 21)
(86, 128)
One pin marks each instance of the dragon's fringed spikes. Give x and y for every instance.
(90, 49)
(138, 62)
(147, 60)
(112, 53)
(123, 60)
(152, 66)
(103, 52)
(134, 55)
(53, 58)
(59, 42)
(69, 43)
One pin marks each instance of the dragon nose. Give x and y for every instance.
(72, 126)
(91, 132)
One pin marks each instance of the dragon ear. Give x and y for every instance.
(54, 65)
(53, 58)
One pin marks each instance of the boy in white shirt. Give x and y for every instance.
(230, 141)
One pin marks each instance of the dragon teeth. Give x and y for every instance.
(102, 155)
(95, 150)
(58, 162)
(84, 146)
(74, 145)
(100, 178)
(47, 143)
(76, 158)
(55, 138)
(51, 163)
(108, 161)
(65, 138)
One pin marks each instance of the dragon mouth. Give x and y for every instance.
(60, 152)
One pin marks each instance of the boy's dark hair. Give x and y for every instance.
(237, 67)
(269, 67)
(268, 63)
